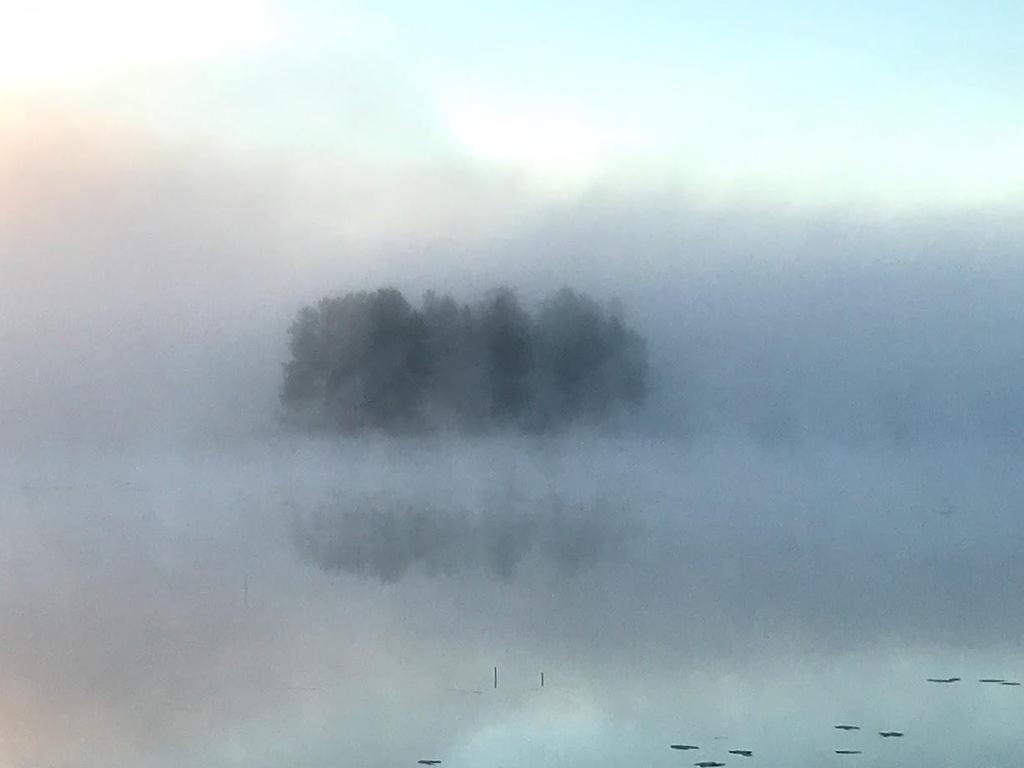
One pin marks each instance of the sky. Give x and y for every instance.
(812, 212)
(872, 104)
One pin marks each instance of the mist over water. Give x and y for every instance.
(818, 508)
(163, 609)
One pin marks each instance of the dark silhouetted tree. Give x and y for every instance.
(358, 361)
(589, 362)
(456, 389)
(509, 355)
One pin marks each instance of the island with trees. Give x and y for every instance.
(370, 360)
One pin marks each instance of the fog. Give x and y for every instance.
(147, 291)
(817, 509)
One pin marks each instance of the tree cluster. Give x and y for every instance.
(371, 360)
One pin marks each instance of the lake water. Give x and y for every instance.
(317, 603)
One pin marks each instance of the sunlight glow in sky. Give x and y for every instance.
(912, 103)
